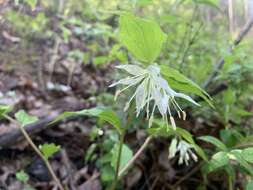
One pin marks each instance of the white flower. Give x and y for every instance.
(184, 149)
(151, 86)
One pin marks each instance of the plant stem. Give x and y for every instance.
(230, 183)
(36, 149)
(119, 158)
(122, 137)
(137, 154)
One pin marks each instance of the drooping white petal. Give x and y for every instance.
(173, 148)
(140, 97)
(132, 69)
(163, 107)
(159, 101)
(128, 81)
(181, 95)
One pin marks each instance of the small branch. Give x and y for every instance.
(193, 171)
(29, 140)
(187, 33)
(221, 63)
(190, 43)
(137, 154)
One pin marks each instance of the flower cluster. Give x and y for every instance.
(151, 87)
(184, 149)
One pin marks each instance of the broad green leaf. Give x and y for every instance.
(229, 97)
(31, 3)
(108, 173)
(102, 113)
(49, 150)
(245, 141)
(247, 154)
(242, 112)
(85, 112)
(4, 109)
(112, 118)
(144, 2)
(230, 137)
(237, 154)
(126, 155)
(217, 161)
(216, 142)
(143, 38)
(180, 82)
(22, 176)
(24, 119)
(213, 3)
(249, 185)
(100, 60)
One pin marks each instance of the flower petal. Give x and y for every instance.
(140, 97)
(181, 95)
(173, 148)
(127, 81)
(132, 69)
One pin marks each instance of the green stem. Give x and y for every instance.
(230, 183)
(119, 159)
(122, 137)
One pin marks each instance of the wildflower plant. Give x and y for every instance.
(157, 89)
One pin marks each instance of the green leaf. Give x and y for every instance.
(112, 118)
(102, 113)
(230, 137)
(126, 155)
(229, 97)
(218, 160)
(24, 119)
(216, 142)
(107, 173)
(249, 185)
(100, 60)
(213, 3)
(22, 176)
(237, 155)
(143, 38)
(31, 3)
(4, 109)
(247, 154)
(144, 2)
(242, 112)
(180, 82)
(49, 150)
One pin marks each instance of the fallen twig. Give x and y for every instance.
(15, 135)
(137, 154)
